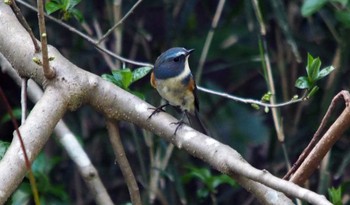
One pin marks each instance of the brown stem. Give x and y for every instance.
(26, 159)
(24, 23)
(312, 155)
(123, 162)
(48, 72)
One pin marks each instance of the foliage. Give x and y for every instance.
(210, 181)
(6, 118)
(125, 77)
(335, 195)
(66, 8)
(313, 75)
(50, 193)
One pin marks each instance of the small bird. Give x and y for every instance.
(174, 82)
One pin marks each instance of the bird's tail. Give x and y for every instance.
(196, 123)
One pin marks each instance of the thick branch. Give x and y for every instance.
(35, 132)
(68, 141)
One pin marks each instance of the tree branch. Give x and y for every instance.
(68, 141)
(123, 162)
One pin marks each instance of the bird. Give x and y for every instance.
(173, 80)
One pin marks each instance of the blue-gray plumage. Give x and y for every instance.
(174, 82)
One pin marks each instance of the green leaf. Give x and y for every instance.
(266, 97)
(16, 112)
(313, 67)
(111, 79)
(72, 3)
(335, 195)
(324, 72)
(202, 193)
(77, 15)
(223, 179)
(52, 6)
(309, 7)
(302, 83)
(123, 76)
(139, 73)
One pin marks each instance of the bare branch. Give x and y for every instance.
(123, 162)
(88, 38)
(209, 39)
(319, 150)
(48, 71)
(119, 22)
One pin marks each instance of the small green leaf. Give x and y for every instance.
(310, 7)
(77, 15)
(202, 193)
(72, 3)
(324, 72)
(266, 97)
(123, 77)
(335, 195)
(17, 112)
(302, 83)
(223, 179)
(315, 69)
(52, 6)
(139, 73)
(111, 79)
(255, 106)
(126, 77)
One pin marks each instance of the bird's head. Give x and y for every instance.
(172, 62)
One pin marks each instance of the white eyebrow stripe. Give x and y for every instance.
(178, 53)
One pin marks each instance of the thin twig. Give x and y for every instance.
(209, 39)
(119, 22)
(26, 158)
(251, 101)
(88, 38)
(342, 95)
(24, 23)
(123, 162)
(48, 72)
(23, 99)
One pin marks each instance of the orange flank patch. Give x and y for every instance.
(153, 80)
(191, 85)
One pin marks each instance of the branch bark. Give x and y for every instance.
(73, 86)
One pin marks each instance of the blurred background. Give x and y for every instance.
(233, 65)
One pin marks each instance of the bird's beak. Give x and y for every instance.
(189, 51)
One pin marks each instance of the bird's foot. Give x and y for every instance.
(157, 110)
(179, 124)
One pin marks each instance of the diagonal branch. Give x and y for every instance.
(123, 162)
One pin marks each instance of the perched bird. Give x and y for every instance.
(174, 82)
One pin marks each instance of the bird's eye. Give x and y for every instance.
(176, 59)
